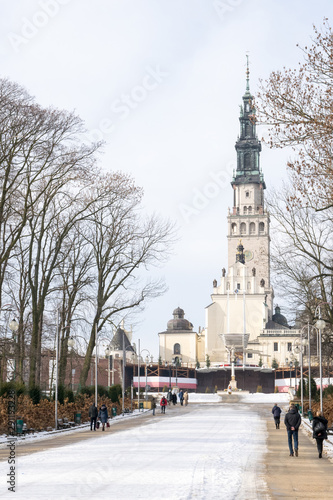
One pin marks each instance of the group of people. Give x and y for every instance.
(172, 398)
(292, 421)
(94, 414)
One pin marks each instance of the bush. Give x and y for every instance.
(165, 389)
(35, 394)
(69, 395)
(207, 390)
(276, 389)
(113, 394)
(259, 388)
(18, 387)
(328, 391)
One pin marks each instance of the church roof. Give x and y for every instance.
(179, 324)
(116, 343)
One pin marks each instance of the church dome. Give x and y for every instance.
(179, 322)
(279, 318)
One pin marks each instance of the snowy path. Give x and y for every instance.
(213, 451)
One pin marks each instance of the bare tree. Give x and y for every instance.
(123, 244)
(302, 255)
(296, 104)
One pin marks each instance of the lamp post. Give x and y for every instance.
(71, 343)
(167, 365)
(124, 364)
(147, 359)
(320, 324)
(13, 325)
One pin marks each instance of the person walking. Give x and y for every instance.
(276, 410)
(93, 412)
(186, 398)
(292, 421)
(181, 397)
(169, 396)
(103, 416)
(163, 404)
(319, 427)
(153, 405)
(174, 398)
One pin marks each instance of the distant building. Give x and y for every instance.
(239, 321)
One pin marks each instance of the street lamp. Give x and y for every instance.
(298, 349)
(167, 365)
(320, 325)
(124, 363)
(13, 325)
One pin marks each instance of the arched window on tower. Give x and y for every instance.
(243, 228)
(176, 349)
(247, 161)
(245, 210)
(250, 210)
(234, 228)
(252, 228)
(261, 227)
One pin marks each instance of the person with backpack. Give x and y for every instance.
(276, 410)
(292, 421)
(319, 428)
(163, 404)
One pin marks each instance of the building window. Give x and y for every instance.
(249, 355)
(289, 347)
(176, 349)
(261, 227)
(252, 228)
(247, 194)
(250, 210)
(238, 286)
(233, 228)
(276, 346)
(245, 210)
(243, 228)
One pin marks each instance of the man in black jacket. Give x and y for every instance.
(93, 412)
(292, 421)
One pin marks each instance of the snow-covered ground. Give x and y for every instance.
(259, 397)
(213, 451)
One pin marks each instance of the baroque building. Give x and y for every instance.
(240, 321)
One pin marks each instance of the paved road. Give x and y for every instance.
(206, 451)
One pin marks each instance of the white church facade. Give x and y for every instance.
(240, 322)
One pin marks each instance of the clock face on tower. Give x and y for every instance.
(248, 255)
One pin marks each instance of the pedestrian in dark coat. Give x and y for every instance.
(163, 404)
(292, 421)
(181, 397)
(319, 427)
(169, 396)
(174, 398)
(276, 410)
(103, 416)
(153, 405)
(93, 412)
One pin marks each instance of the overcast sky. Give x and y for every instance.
(160, 81)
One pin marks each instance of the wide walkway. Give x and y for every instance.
(286, 477)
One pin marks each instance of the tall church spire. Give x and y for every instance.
(248, 146)
(247, 74)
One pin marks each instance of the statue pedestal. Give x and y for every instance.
(233, 385)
